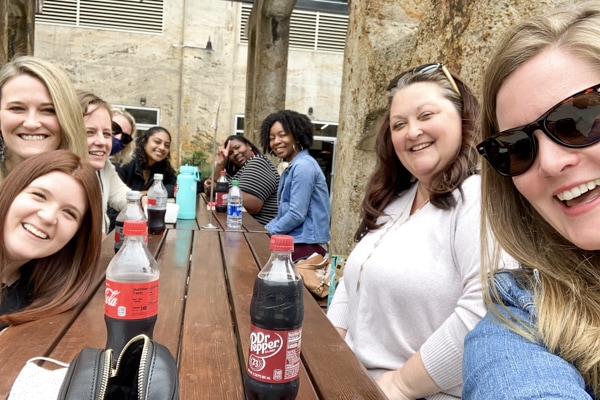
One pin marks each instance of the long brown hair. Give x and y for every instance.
(567, 283)
(62, 280)
(390, 177)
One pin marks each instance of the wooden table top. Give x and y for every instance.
(206, 285)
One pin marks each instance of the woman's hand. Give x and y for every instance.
(222, 156)
(207, 185)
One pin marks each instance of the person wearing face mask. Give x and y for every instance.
(123, 143)
(151, 157)
(304, 211)
(257, 176)
(50, 236)
(39, 112)
(97, 118)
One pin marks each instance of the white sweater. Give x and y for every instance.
(419, 289)
(114, 192)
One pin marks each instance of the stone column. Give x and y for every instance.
(17, 25)
(386, 37)
(268, 42)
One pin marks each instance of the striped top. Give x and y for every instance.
(259, 178)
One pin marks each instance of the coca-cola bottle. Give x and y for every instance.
(157, 205)
(131, 294)
(276, 314)
(132, 212)
(221, 192)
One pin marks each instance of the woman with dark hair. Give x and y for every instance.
(304, 209)
(257, 176)
(50, 236)
(152, 153)
(411, 288)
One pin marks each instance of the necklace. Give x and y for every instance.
(393, 224)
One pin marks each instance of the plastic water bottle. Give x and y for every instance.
(276, 315)
(221, 192)
(131, 294)
(187, 181)
(132, 212)
(157, 205)
(234, 206)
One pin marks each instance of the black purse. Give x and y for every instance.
(145, 370)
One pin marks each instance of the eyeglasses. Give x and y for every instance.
(117, 130)
(573, 123)
(426, 69)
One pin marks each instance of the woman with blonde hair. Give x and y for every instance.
(50, 236)
(124, 133)
(541, 200)
(39, 112)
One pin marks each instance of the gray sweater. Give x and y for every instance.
(420, 288)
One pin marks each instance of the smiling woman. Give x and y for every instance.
(50, 236)
(39, 112)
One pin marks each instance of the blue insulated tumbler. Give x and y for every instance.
(186, 191)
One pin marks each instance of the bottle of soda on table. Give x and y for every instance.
(132, 212)
(276, 314)
(157, 205)
(131, 294)
(221, 192)
(234, 206)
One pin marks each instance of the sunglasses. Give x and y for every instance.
(426, 69)
(573, 123)
(117, 130)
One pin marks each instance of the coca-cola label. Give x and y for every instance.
(274, 356)
(221, 199)
(131, 300)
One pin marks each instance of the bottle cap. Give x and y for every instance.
(158, 176)
(282, 243)
(235, 182)
(134, 228)
(223, 172)
(133, 195)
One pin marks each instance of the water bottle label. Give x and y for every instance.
(131, 300)
(274, 355)
(234, 210)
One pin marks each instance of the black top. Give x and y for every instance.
(18, 295)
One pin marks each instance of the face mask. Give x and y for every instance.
(117, 146)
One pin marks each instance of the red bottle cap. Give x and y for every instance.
(282, 243)
(223, 172)
(134, 228)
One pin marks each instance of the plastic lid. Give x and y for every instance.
(235, 182)
(282, 243)
(158, 176)
(134, 228)
(133, 195)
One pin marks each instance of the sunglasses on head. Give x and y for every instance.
(425, 69)
(573, 123)
(117, 130)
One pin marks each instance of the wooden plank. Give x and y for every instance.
(209, 364)
(241, 271)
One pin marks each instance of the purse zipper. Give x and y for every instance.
(107, 373)
(143, 360)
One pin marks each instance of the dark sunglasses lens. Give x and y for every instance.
(126, 138)
(116, 128)
(511, 154)
(577, 122)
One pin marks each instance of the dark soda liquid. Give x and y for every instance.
(156, 221)
(121, 331)
(222, 188)
(275, 306)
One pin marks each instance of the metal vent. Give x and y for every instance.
(310, 30)
(122, 15)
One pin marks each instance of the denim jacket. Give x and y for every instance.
(304, 210)
(501, 364)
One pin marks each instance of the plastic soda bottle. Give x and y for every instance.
(132, 212)
(234, 206)
(157, 205)
(276, 314)
(221, 191)
(131, 294)
(187, 182)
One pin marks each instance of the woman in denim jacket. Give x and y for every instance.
(541, 336)
(304, 209)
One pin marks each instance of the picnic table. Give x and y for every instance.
(206, 282)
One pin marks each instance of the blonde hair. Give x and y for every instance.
(565, 279)
(124, 156)
(63, 96)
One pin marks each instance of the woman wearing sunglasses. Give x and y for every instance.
(541, 200)
(124, 129)
(411, 288)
